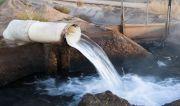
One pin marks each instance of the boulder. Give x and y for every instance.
(20, 61)
(174, 103)
(103, 99)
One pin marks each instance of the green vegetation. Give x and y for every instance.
(1, 1)
(63, 9)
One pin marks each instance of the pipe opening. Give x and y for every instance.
(73, 34)
(42, 32)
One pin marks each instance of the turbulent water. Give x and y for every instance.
(137, 90)
(99, 59)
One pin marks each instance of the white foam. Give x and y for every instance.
(135, 89)
(161, 63)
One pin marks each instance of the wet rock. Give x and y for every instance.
(20, 61)
(103, 99)
(174, 103)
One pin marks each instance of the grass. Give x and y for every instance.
(31, 14)
(1, 1)
(161, 6)
(63, 9)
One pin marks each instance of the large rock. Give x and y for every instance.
(20, 61)
(103, 99)
(174, 103)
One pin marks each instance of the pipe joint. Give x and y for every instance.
(42, 32)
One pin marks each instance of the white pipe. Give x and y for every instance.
(43, 32)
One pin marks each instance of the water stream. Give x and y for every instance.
(99, 59)
(137, 90)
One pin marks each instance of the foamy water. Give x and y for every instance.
(99, 59)
(135, 89)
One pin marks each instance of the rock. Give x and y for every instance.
(103, 99)
(174, 103)
(20, 61)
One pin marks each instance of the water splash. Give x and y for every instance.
(137, 90)
(99, 59)
(161, 63)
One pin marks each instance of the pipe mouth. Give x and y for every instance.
(73, 34)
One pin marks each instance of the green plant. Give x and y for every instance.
(63, 9)
(1, 1)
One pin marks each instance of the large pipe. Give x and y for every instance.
(46, 32)
(122, 28)
(42, 32)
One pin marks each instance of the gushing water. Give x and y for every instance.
(99, 59)
(135, 89)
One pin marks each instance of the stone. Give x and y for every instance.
(103, 99)
(174, 103)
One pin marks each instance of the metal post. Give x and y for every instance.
(168, 17)
(121, 27)
(167, 25)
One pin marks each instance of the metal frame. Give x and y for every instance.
(122, 28)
